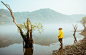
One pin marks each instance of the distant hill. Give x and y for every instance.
(5, 16)
(42, 15)
(77, 17)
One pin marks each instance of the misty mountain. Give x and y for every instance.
(77, 17)
(42, 15)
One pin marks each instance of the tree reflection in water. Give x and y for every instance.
(29, 50)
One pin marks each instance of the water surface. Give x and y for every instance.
(44, 43)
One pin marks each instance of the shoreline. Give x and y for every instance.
(78, 48)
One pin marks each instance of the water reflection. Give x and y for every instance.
(28, 51)
(48, 37)
(6, 40)
(60, 51)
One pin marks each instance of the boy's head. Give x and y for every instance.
(60, 28)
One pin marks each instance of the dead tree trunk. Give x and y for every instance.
(28, 29)
(31, 39)
(27, 41)
(14, 19)
(75, 28)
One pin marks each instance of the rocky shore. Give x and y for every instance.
(78, 48)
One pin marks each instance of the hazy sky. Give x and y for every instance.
(68, 7)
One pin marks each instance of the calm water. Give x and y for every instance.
(44, 43)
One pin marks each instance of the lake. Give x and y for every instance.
(11, 42)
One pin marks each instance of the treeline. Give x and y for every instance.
(42, 15)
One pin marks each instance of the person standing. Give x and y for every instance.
(60, 37)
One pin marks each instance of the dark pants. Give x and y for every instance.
(60, 40)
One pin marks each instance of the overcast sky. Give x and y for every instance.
(67, 7)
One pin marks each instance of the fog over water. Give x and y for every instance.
(47, 40)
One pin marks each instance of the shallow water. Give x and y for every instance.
(44, 43)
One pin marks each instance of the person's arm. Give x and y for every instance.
(59, 34)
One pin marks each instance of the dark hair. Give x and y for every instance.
(60, 28)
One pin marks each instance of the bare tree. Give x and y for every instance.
(83, 22)
(75, 28)
(28, 40)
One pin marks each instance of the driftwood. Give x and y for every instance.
(28, 40)
(75, 28)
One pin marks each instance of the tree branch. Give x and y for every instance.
(13, 18)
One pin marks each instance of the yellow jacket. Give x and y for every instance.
(60, 34)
